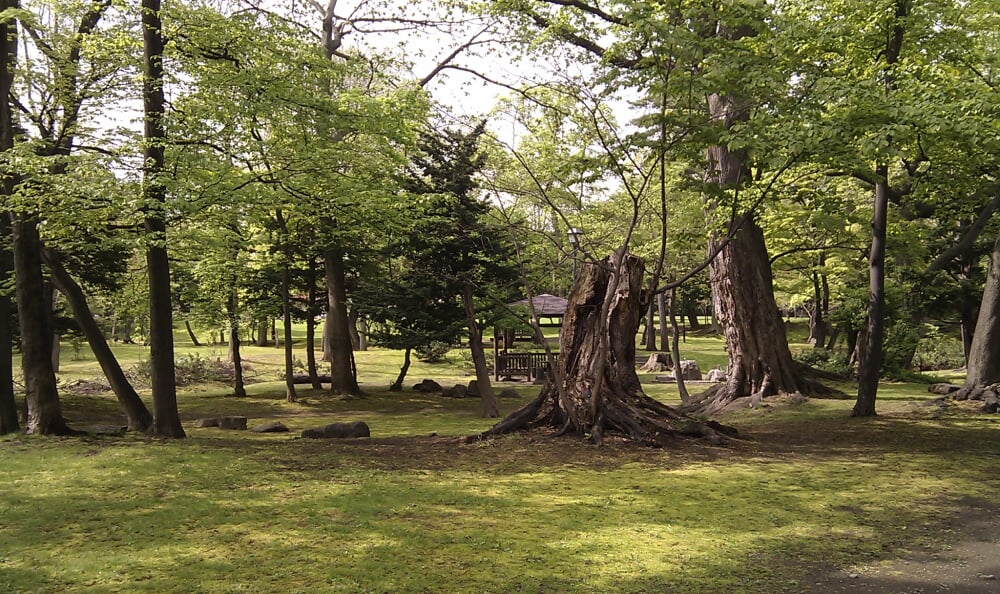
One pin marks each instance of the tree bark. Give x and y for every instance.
(760, 361)
(661, 309)
(44, 410)
(286, 318)
(649, 336)
(984, 355)
(191, 334)
(138, 416)
(166, 419)
(9, 422)
(336, 333)
(239, 387)
(870, 353)
(596, 391)
(311, 328)
(675, 345)
(490, 409)
(398, 384)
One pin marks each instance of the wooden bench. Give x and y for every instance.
(528, 365)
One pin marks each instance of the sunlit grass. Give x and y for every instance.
(223, 511)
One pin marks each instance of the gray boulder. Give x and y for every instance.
(689, 370)
(339, 431)
(272, 427)
(427, 385)
(457, 391)
(236, 423)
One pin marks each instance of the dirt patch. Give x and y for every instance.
(966, 559)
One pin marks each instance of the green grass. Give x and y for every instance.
(807, 488)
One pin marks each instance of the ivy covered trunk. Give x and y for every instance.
(595, 391)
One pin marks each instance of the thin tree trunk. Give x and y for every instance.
(166, 419)
(352, 327)
(138, 416)
(398, 384)
(337, 336)
(262, 327)
(675, 348)
(870, 353)
(311, 328)
(490, 409)
(239, 388)
(286, 318)
(51, 297)
(191, 334)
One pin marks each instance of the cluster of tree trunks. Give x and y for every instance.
(595, 390)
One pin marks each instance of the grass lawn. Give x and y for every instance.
(806, 490)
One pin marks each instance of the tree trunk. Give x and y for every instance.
(398, 384)
(138, 416)
(336, 333)
(239, 388)
(191, 334)
(352, 328)
(984, 355)
(870, 353)
(8, 57)
(743, 300)
(661, 309)
(649, 337)
(817, 321)
(166, 420)
(286, 318)
(263, 325)
(311, 328)
(675, 346)
(742, 290)
(490, 409)
(596, 391)
(44, 410)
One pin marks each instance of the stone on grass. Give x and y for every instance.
(207, 422)
(427, 385)
(235, 423)
(715, 375)
(689, 369)
(339, 431)
(509, 393)
(473, 389)
(272, 427)
(456, 391)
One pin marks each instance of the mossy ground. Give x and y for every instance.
(414, 509)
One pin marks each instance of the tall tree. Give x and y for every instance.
(166, 419)
(8, 406)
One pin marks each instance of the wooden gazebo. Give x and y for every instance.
(550, 310)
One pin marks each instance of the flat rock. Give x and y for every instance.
(206, 422)
(272, 427)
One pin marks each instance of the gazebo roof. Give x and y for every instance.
(545, 305)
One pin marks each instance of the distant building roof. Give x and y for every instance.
(545, 305)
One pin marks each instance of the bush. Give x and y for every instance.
(189, 370)
(938, 351)
(825, 360)
(433, 352)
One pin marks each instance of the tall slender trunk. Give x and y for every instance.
(138, 416)
(8, 46)
(239, 387)
(675, 347)
(490, 408)
(870, 353)
(343, 375)
(286, 318)
(311, 312)
(166, 419)
(661, 308)
(984, 356)
(870, 361)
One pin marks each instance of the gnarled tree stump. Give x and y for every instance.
(595, 390)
